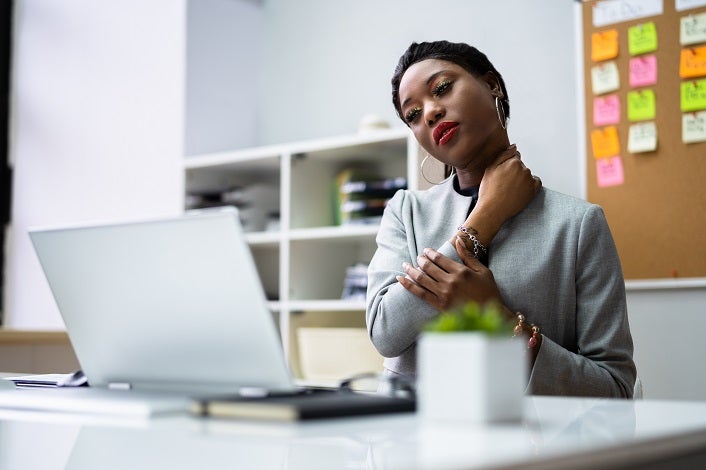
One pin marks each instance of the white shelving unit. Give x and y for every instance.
(303, 264)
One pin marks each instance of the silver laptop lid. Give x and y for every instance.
(169, 304)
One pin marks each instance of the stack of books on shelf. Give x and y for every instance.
(362, 199)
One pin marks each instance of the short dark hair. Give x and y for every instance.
(468, 57)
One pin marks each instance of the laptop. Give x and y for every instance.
(172, 305)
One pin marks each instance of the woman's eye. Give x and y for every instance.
(412, 114)
(441, 87)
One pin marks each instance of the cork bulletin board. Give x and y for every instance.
(645, 103)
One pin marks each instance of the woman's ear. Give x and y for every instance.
(493, 83)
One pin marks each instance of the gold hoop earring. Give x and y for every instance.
(421, 171)
(501, 112)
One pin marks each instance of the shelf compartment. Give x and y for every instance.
(231, 169)
(318, 266)
(267, 259)
(314, 173)
(320, 319)
(249, 182)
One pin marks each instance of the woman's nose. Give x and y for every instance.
(434, 114)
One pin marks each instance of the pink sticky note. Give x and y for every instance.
(606, 110)
(643, 70)
(609, 172)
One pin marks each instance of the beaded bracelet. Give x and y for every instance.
(534, 329)
(477, 245)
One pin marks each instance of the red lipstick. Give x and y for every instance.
(444, 131)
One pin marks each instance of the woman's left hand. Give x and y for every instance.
(444, 283)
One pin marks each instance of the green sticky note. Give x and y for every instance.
(641, 105)
(693, 95)
(642, 38)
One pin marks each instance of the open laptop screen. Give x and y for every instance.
(169, 304)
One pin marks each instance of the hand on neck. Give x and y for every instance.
(494, 150)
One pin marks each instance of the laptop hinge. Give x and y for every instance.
(119, 385)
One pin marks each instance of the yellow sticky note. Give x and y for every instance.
(642, 137)
(692, 29)
(692, 62)
(642, 38)
(605, 142)
(604, 45)
(693, 127)
(641, 105)
(605, 77)
(693, 95)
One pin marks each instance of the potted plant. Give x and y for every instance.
(471, 368)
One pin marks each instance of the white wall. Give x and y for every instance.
(98, 125)
(327, 63)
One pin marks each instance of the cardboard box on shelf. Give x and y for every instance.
(333, 353)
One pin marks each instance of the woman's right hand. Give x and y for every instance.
(507, 186)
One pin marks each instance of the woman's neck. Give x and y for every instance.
(469, 177)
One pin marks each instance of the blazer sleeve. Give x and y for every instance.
(603, 364)
(394, 316)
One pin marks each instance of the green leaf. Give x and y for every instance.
(471, 316)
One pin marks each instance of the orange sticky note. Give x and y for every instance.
(692, 62)
(605, 142)
(604, 45)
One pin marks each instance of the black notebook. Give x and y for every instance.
(302, 406)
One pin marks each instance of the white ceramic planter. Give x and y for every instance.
(470, 376)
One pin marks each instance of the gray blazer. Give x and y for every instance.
(555, 262)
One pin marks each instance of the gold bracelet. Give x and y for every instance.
(534, 330)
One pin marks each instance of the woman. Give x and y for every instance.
(549, 256)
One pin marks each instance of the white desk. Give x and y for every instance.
(556, 433)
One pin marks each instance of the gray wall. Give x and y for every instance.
(328, 63)
(667, 327)
(223, 75)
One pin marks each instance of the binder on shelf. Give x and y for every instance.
(385, 187)
(361, 198)
(355, 284)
